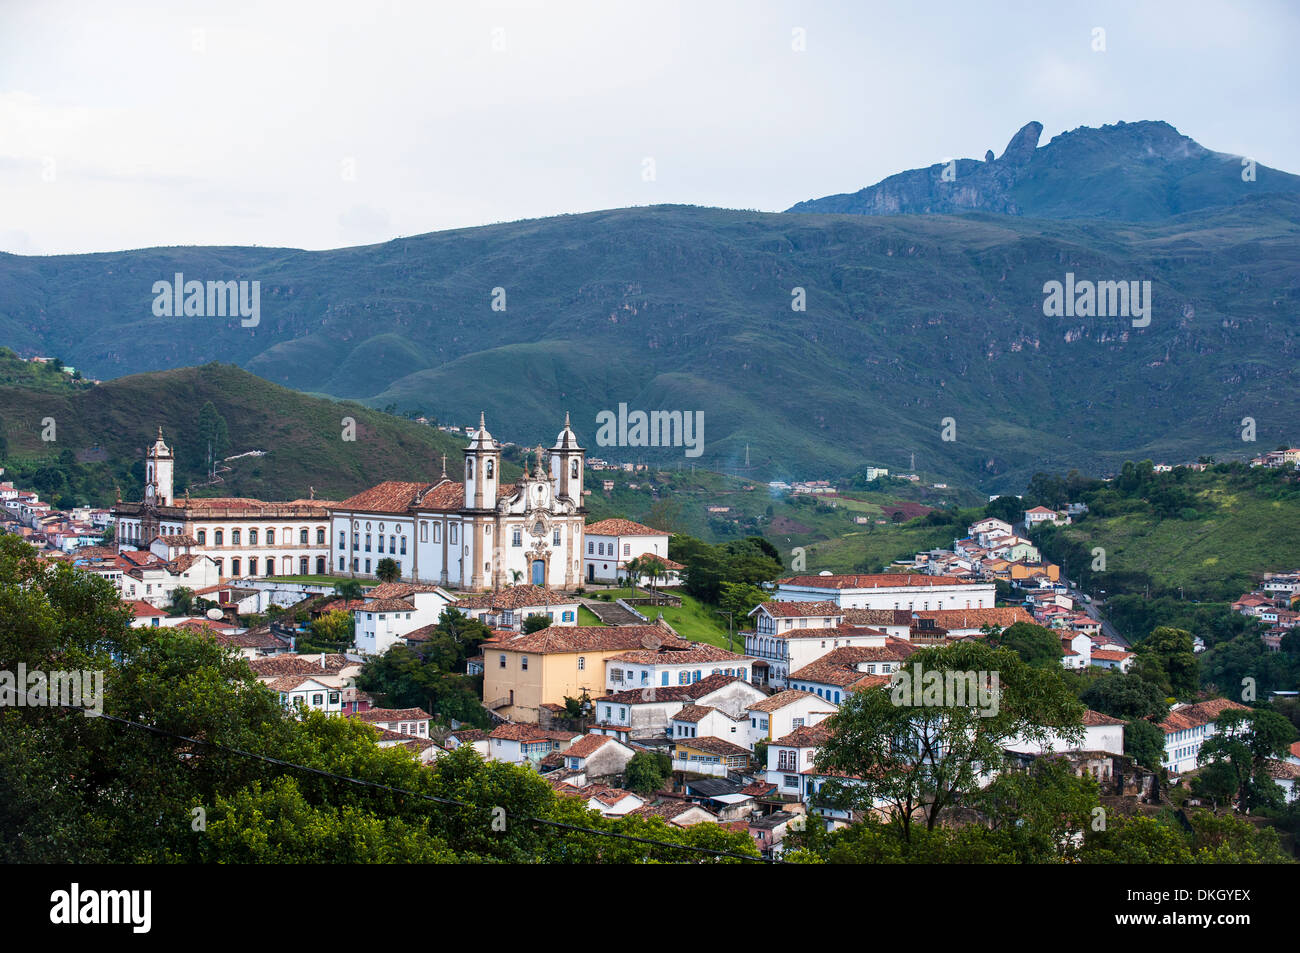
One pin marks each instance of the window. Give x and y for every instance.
(303, 565)
(302, 537)
(517, 538)
(424, 531)
(573, 468)
(317, 698)
(252, 537)
(341, 562)
(343, 540)
(367, 542)
(234, 537)
(501, 661)
(270, 566)
(334, 698)
(591, 548)
(270, 537)
(555, 537)
(234, 566)
(453, 533)
(627, 549)
(582, 663)
(491, 469)
(367, 565)
(523, 663)
(403, 546)
(203, 536)
(381, 542)
(469, 468)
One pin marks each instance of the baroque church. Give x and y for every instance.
(472, 533)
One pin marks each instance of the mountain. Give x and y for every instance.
(910, 319)
(106, 427)
(1135, 171)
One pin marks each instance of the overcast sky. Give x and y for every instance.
(321, 124)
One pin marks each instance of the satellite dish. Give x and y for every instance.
(652, 642)
(826, 572)
(215, 615)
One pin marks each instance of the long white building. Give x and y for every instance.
(888, 591)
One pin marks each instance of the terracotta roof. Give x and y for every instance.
(664, 560)
(621, 527)
(878, 616)
(1282, 769)
(834, 632)
(140, 608)
(1001, 617)
(525, 733)
(698, 653)
(718, 746)
(391, 496)
(557, 639)
(391, 714)
(806, 736)
(399, 590)
(872, 581)
(468, 735)
(288, 683)
(1202, 713)
(671, 693)
(1110, 655)
(299, 665)
(694, 713)
(387, 605)
(784, 610)
(514, 597)
(669, 810)
(609, 796)
(780, 700)
(1095, 719)
(586, 746)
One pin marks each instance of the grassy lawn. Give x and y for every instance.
(587, 617)
(694, 620)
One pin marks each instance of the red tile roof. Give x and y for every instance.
(621, 527)
(1202, 713)
(784, 610)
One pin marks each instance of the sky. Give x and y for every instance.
(322, 124)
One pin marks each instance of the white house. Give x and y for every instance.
(526, 744)
(1100, 733)
(508, 608)
(780, 714)
(1041, 514)
(393, 610)
(595, 756)
(665, 667)
(1186, 728)
(643, 713)
(705, 721)
(309, 691)
(611, 543)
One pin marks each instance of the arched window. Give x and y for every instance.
(491, 469)
(234, 537)
(469, 468)
(573, 468)
(203, 536)
(252, 537)
(270, 537)
(539, 528)
(217, 538)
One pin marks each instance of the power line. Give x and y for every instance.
(449, 802)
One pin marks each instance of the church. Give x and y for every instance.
(472, 533)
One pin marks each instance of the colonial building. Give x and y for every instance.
(473, 533)
(242, 536)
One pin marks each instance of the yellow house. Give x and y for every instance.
(523, 672)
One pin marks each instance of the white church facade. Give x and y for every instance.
(472, 533)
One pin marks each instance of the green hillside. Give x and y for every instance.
(909, 320)
(101, 433)
(1213, 533)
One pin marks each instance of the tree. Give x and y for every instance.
(388, 570)
(349, 590)
(923, 743)
(536, 622)
(1045, 808)
(1125, 695)
(1037, 647)
(740, 598)
(1245, 740)
(212, 431)
(182, 600)
(647, 771)
(1144, 743)
(1009, 509)
(333, 627)
(1166, 659)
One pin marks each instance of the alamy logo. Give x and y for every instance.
(1098, 299)
(658, 428)
(215, 299)
(75, 906)
(945, 689)
(34, 688)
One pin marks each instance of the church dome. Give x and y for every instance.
(482, 440)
